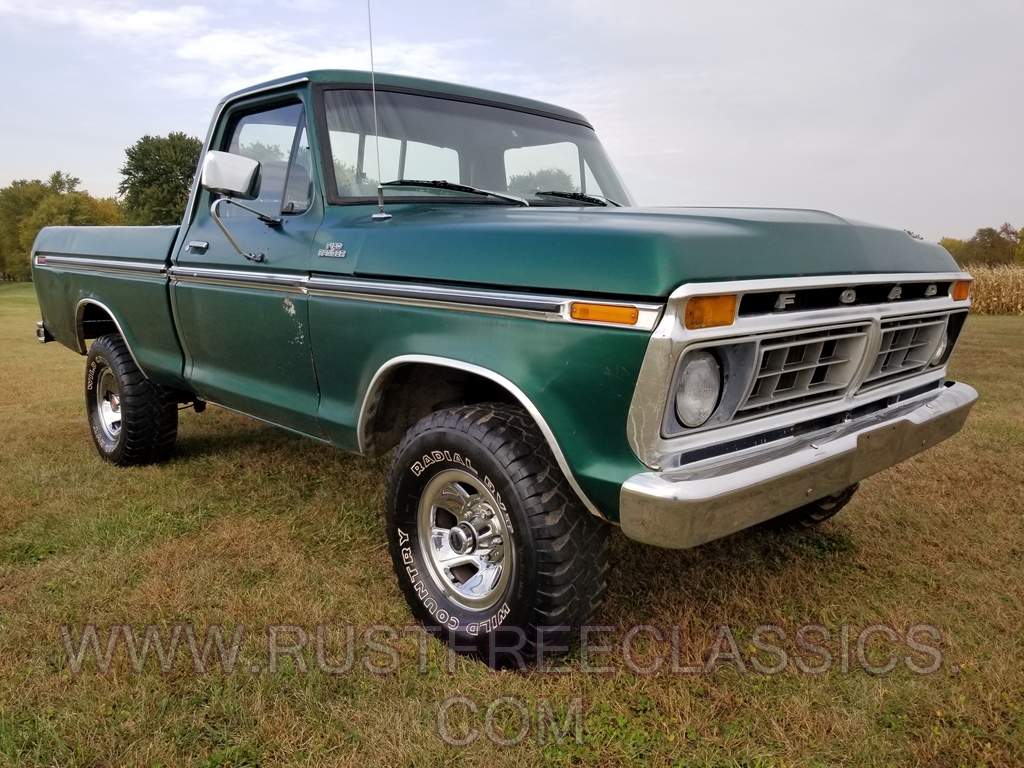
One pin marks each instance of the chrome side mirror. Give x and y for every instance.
(231, 175)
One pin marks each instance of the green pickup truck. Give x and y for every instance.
(460, 276)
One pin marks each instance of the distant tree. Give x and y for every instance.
(28, 206)
(1007, 232)
(62, 183)
(543, 180)
(262, 153)
(17, 200)
(988, 246)
(957, 248)
(158, 175)
(75, 209)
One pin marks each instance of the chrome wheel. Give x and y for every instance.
(108, 405)
(467, 544)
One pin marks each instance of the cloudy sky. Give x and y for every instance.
(908, 113)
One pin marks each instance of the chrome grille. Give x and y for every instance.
(906, 348)
(802, 368)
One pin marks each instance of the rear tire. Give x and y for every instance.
(815, 513)
(492, 548)
(132, 420)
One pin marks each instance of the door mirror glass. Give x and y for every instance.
(231, 175)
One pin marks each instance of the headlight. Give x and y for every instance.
(699, 387)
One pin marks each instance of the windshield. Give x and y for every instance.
(431, 139)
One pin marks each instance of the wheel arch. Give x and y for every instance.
(395, 392)
(93, 319)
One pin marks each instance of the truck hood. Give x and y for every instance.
(626, 252)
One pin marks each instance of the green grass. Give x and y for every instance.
(252, 525)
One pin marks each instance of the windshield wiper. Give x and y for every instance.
(455, 187)
(591, 199)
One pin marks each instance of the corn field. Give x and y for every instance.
(997, 290)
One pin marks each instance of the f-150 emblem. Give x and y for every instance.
(332, 251)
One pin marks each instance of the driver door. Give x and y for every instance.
(243, 323)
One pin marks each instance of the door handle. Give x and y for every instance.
(197, 245)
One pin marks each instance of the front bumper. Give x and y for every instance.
(697, 503)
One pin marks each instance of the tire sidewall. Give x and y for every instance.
(472, 631)
(99, 359)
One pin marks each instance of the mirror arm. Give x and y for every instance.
(269, 221)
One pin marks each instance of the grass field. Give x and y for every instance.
(251, 526)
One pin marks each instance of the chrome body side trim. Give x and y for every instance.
(671, 339)
(497, 378)
(99, 264)
(717, 497)
(80, 329)
(239, 278)
(500, 303)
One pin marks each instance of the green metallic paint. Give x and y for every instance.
(616, 252)
(580, 377)
(138, 304)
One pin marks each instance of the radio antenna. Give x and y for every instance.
(380, 215)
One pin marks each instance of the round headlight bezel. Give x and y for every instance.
(941, 348)
(699, 370)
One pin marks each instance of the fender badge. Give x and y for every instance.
(332, 251)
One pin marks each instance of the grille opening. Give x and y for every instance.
(786, 381)
(804, 367)
(906, 349)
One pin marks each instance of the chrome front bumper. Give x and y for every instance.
(697, 503)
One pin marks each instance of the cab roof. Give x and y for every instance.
(415, 84)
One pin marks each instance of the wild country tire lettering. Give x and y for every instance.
(442, 616)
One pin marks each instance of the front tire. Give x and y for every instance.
(491, 546)
(132, 420)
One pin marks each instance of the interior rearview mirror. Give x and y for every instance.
(231, 175)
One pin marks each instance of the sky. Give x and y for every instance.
(906, 113)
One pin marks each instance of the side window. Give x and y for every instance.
(277, 139)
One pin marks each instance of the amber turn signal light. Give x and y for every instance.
(961, 290)
(604, 313)
(710, 311)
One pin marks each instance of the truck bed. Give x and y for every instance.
(88, 278)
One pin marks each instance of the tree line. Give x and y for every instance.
(155, 182)
(989, 246)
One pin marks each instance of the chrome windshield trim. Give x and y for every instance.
(98, 264)
(671, 339)
(487, 373)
